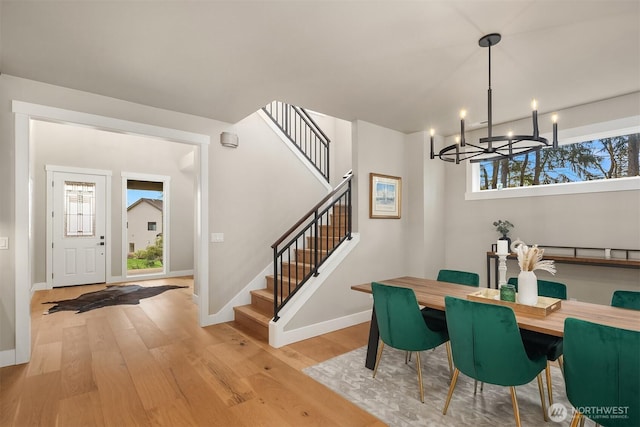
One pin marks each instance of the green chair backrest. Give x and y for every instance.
(400, 321)
(626, 299)
(546, 288)
(602, 371)
(486, 344)
(459, 277)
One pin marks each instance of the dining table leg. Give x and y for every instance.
(372, 347)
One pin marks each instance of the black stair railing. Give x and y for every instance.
(303, 132)
(300, 251)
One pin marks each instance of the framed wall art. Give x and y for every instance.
(385, 196)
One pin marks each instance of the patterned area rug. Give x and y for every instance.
(112, 295)
(393, 396)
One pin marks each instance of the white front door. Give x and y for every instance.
(78, 232)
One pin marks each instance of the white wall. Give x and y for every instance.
(381, 251)
(258, 191)
(255, 191)
(83, 147)
(608, 219)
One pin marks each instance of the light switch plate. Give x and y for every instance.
(4, 243)
(217, 237)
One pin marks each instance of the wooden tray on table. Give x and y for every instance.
(544, 307)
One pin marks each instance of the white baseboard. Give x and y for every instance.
(40, 286)
(7, 358)
(277, 334)
(178, 273)
(282, 338)
(226, 314)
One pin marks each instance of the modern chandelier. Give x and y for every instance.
(494, 147)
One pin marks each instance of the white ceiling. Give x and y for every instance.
(403, 65)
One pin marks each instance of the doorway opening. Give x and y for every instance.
(146, 226)
(24, 247)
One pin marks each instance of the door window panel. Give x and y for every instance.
(79, 209)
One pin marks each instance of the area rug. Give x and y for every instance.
(393, 396)
(112, 295)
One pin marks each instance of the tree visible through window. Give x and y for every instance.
(606, 158)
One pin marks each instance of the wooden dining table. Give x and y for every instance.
(430, 293)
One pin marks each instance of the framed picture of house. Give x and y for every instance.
(385, 197)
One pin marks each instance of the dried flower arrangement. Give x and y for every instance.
(530, 258)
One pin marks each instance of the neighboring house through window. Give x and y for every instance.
(144, 223)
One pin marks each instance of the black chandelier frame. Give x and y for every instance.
(494, 147)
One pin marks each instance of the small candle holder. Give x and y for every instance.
(508, 293)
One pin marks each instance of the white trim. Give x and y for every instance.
(35, 111)
(85, 171)
(295, 150)
(288, 337)
(107, 174)
(40, 286)
(23, 112)
(608, 185)
(278, 337)
(166, 215)
(22, 241)
(243, 297)
(201, 251)
(7, 358)
(153, 276)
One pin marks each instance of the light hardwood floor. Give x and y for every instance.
(151, 364)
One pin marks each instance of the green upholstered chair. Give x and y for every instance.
(537, 343)
(602, 372)
(626, 299)
(459, 277)
(435, 318)
(486, 346)
(402, 326)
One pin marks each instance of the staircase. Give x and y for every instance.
(292, 273)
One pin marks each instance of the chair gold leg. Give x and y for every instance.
(419, 367)
(451, 387)
(547, 372)
(577, 418)
(380, 347)
(516, 411)
(561, 364)
(541, 390)
(448, 346)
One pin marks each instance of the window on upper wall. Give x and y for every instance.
(597, 159)
(151, 226)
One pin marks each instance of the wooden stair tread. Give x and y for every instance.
(256, 315)
(263, 293)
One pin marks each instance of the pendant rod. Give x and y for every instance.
(489, 106)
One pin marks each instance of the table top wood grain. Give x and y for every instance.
(431, 293)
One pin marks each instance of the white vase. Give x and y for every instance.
(527, 288)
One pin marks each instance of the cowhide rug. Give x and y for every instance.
(112, 295)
